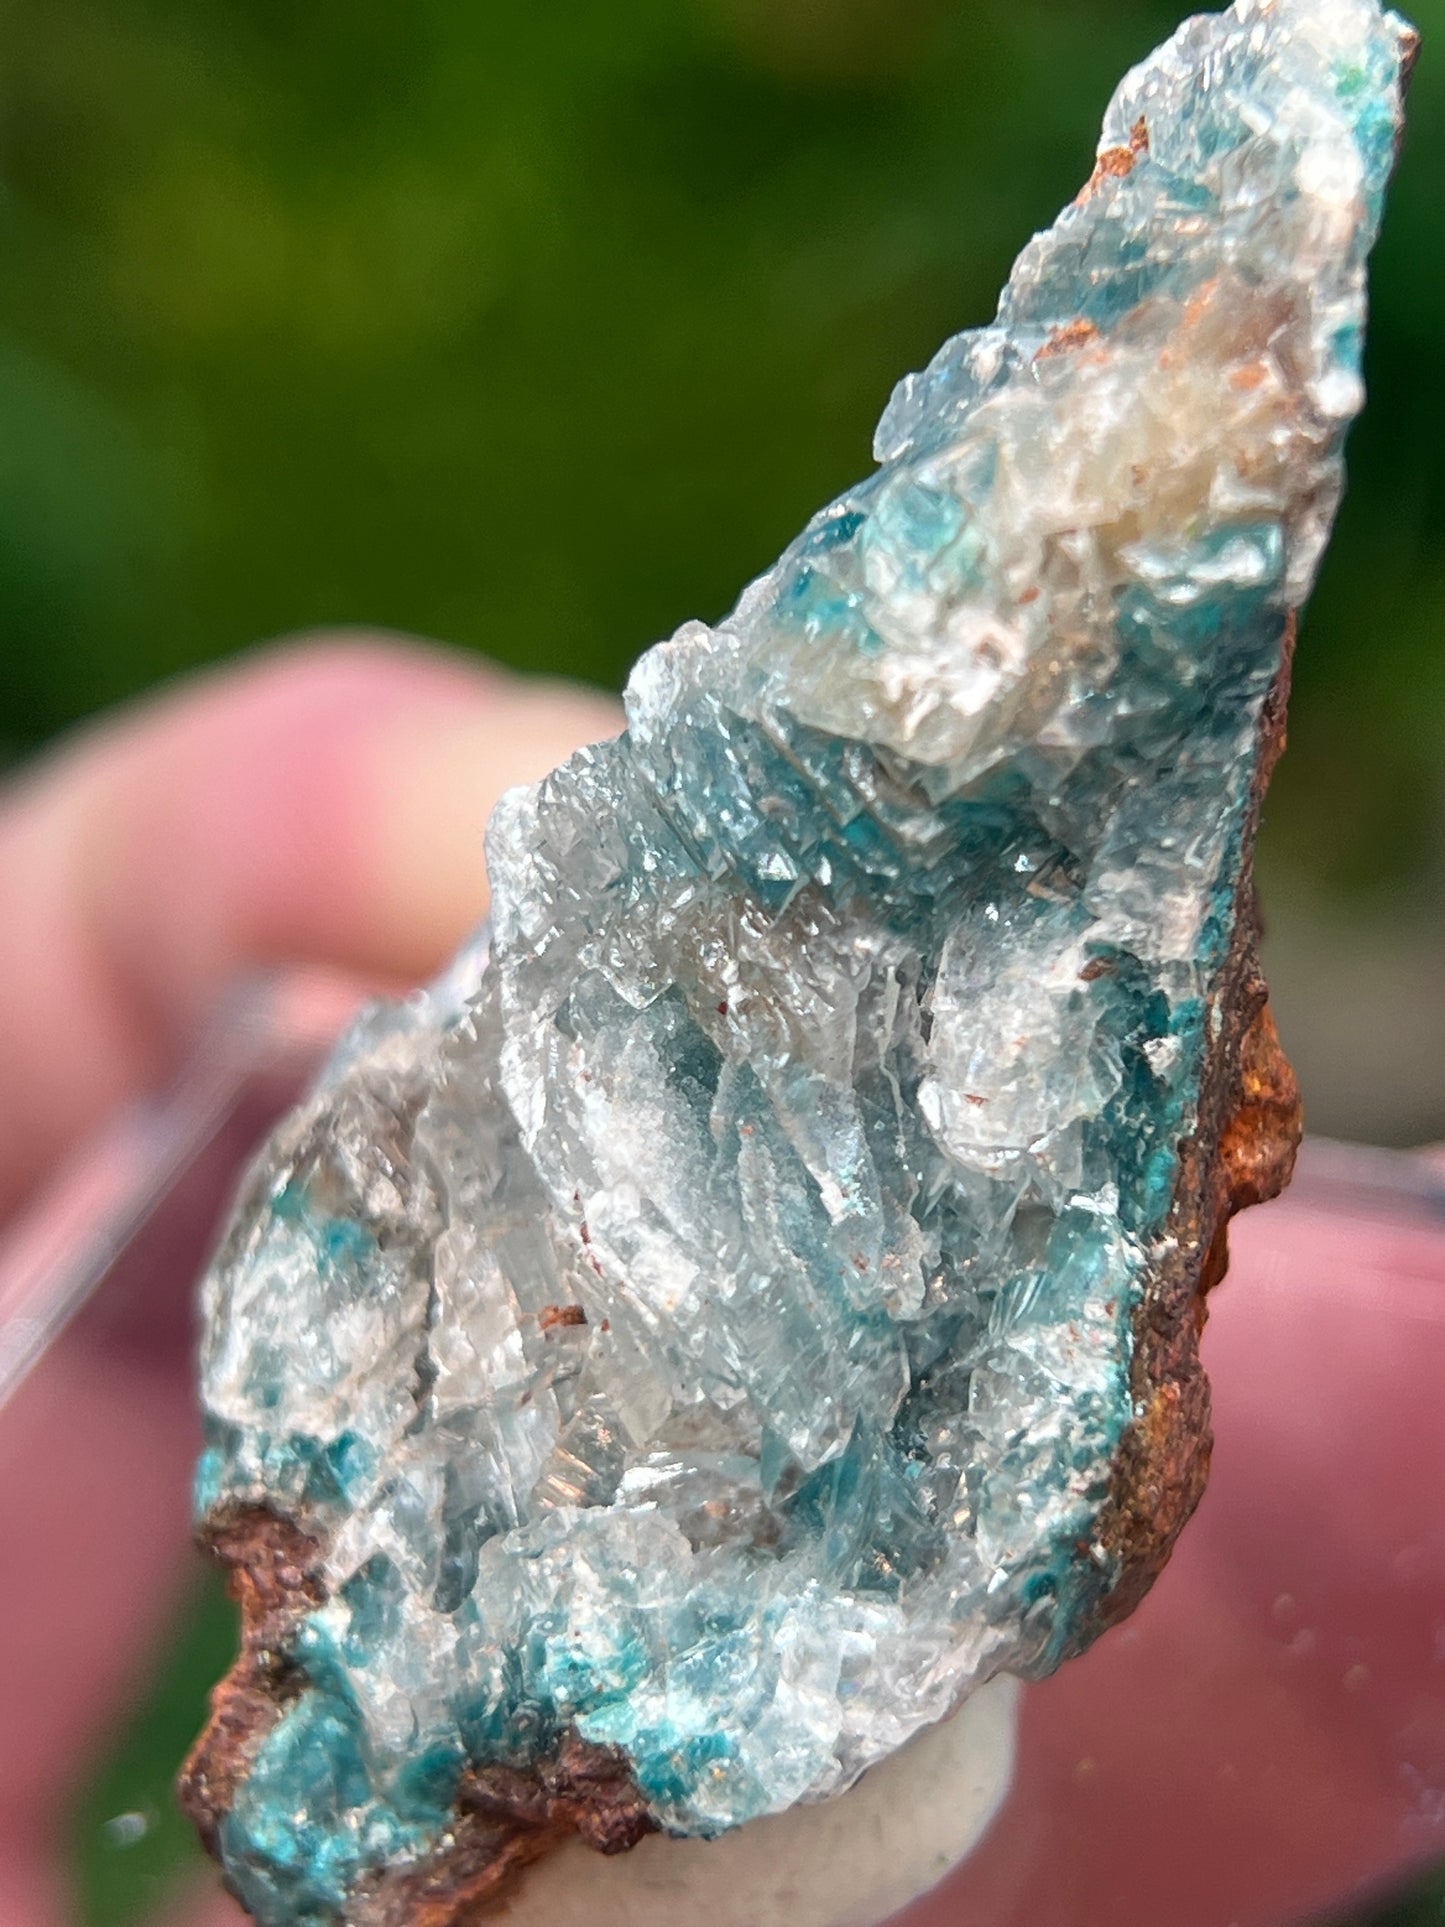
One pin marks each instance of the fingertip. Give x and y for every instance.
(324, 799)
(437, 781)
(326, 803)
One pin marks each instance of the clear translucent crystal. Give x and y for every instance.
(706, 1321)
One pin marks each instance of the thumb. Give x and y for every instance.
(323, 801)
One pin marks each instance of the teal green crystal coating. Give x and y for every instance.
(705, 1320)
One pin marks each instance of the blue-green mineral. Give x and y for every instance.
(753, 1300)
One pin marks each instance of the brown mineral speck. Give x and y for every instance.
(555, 1317)
(1117, 163)
(1078, 334)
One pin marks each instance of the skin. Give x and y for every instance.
(1265, 1739)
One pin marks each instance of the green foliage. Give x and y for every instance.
(540, 328)
(130, 1842)
(1422, 1906)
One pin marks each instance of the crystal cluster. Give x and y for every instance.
(716, 1327)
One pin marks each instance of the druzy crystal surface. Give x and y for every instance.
(706, 1325)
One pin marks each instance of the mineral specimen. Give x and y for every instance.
(693, 1346)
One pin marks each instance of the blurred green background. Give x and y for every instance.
(541, 327)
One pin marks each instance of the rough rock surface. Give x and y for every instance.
(689, 1349)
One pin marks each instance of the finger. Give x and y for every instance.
(367, 853)
(1266, 1737)
(93, 1501)
(203, 1905)
(319, 803)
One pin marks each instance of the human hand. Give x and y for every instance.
(316, 804)
(1242, 1751)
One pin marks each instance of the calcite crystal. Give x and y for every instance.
(755, 1301)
